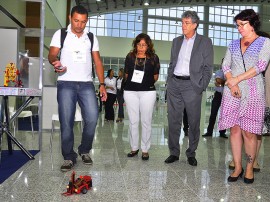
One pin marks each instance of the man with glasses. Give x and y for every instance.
(189, 74)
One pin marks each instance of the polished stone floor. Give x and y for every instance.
(118, 178)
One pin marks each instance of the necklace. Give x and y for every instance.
(246, 43)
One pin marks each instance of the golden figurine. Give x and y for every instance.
(11, 75)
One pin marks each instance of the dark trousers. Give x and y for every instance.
(109, 110)
(120, 100)
(185, 121)
(214, 111)
(100, 103)
(180, 95)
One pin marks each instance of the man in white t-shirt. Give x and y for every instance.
(74, 84)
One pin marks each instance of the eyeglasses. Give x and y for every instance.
(141, 45)
(241, 25)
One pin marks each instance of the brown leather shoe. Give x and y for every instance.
(133, 153)
(145, 156)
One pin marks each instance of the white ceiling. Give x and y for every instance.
(104, 6)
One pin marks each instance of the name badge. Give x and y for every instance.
(137, 76)
(79, 57)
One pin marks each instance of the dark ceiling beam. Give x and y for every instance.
(98, 9)
(12, 17)
(88, 6)
(115, 3)
(107, 5)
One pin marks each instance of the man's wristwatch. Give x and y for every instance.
(102, 84)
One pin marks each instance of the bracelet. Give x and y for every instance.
(102, 84)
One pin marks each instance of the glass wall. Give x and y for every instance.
(165, 24)
(122, 24)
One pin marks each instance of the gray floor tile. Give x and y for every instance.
(119, 178)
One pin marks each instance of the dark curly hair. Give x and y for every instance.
(109, 72)
(150, 52)
(251, 16)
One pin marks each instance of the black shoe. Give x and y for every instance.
(133, 153)
(171, 159)
(86, 159)
(192, 161)
(248, 181)
(207, 135)
(145, 156)
(234, 179)
(67, 165)
(223, 135)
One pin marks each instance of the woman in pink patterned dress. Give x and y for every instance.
(243, 101)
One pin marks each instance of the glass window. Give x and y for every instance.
(167, 29)
(123, 33)
(165, 23)
(115, 32)
(120, 24)
(157, 35)
(151, 12)
(223, 31)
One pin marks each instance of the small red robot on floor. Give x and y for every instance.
(80, 185)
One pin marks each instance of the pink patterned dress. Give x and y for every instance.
(247, 111)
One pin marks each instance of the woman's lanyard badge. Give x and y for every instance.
(137, 76)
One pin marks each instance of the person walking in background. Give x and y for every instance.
(142, 71)
(243, 102)
(219, 85)
(189, 74)
(120, 97)
(110, 84)
(74, 84)
(99, 99)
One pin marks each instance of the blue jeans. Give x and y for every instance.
(68, 94)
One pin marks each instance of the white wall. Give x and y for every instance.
(8, 50)
(119, 47)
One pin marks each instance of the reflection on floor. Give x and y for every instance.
(118, 178)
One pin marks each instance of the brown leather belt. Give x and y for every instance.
(182, 77)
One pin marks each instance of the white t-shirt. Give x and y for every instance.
(119, 83)
(75, 55)
(111, 83)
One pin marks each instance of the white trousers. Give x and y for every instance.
(140, 104)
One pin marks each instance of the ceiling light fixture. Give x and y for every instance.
(146, 3)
